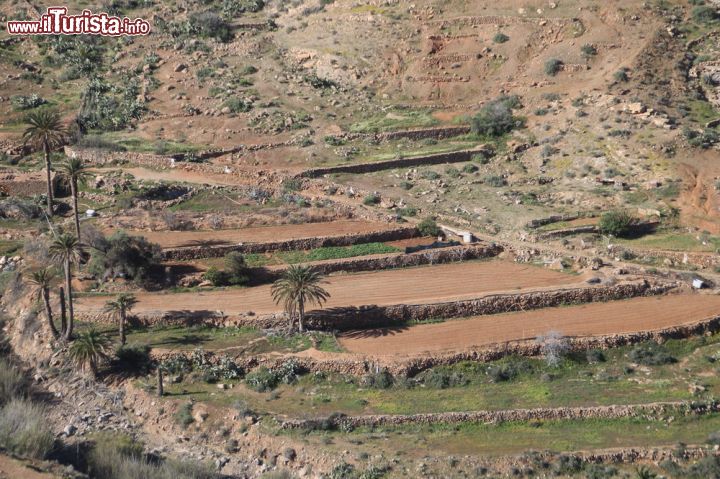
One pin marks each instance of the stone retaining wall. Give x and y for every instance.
(658, 409)
(701, 260)
(357, 365)
(453, 157)
(365, 317)
(392, 261)
(302, 244)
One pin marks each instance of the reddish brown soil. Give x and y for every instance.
(259, 234)
(699, 200)
(639, 314)
(12, 468)
(410, 285)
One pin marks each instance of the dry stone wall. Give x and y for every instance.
(392, 261)
(658, 409)
(303, 244)
(383, 316)
(454, 157)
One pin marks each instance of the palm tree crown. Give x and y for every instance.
(120, 307)
(299, 286)
(45, 130)
(89, 349)
(66, 247)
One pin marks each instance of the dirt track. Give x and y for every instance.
(259, 234)
(410, 285)
(639, 314)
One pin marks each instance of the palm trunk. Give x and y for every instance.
(46, 150)
(122, 328)
(63, 312)
(68, 286)
(160, 389)
(301, 314)
(74, 192)
(48, 313)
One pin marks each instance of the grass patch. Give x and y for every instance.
(319, 254)
(395, 121)
(674, 242)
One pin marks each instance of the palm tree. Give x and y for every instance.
(120, 307)
(67, 249)
(89, 349)
(76, 172)
(45, 130)
(299, 286)
(41, 279)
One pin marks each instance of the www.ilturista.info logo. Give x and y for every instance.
(57, 22)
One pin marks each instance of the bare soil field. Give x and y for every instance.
(616, 317)
(259, 234)
(426, 284)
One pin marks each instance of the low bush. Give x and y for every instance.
(12, 382)
(705, 14)
(211, 25)
(263, 379)
(236, 271)
(371, 199)
(588, 50)
(442, 379)
(238, 105)
(650, 354)
(500, 38)
(553, 66)
(496, 181)
(469, 168)
(121, 255)
(27, 102)
(133, 358)
(184, 416)
(380, 380)
(595, 356)
(118, 456)
(496, 118)
(616, 223)
(24, 429)
(428, 227)
(621, 75)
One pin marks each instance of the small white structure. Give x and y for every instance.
(697, 283)
(467, 237)
(90, 213)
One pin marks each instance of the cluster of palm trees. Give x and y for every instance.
(45, 130)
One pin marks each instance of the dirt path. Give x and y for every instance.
(639, 314)
(13, 469)
(177, 175)
(424, 284)
(259, 234)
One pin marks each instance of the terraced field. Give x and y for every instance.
(399, 286)
(616, 317)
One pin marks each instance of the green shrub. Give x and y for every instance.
(371, 199)
(650, 354)
(122, 255)
(588, 50)
(500, 38)
(701, 139)
(452, 172)
(705, 14)
(211, 25)
(595, 356)
(496, 118)
(442, 379)
(27, 102)
(133, 358)
(431, 175)
(469, 168)
(24, 430)
(184, 416)
(261, 380)
(236, 268)
(12, 382)
(428, 227)
(621, 75)
(616, 223)
(553, 66)
(238, 105)
(380, 380)
(406, 185)
(217, 276)
(494, 180)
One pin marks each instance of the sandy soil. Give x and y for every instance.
(259, 234)
(13, 469)
(410, 285)
(639, 314)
